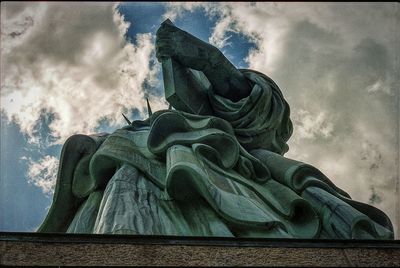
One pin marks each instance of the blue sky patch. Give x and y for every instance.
(145, 17)
(23, 205)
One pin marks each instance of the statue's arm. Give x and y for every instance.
(191, 52)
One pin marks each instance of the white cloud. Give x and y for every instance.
(43, 173)
(310, 126)
(174, 10)
(72, 60)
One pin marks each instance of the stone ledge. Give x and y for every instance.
(95, 250)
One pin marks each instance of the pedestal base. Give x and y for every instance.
(61, 249)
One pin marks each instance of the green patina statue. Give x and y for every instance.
(212, 166)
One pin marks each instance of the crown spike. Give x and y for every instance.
(148, 107)
(127, 120)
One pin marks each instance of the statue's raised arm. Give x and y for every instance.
(191, 52)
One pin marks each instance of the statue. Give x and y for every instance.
(213, 166)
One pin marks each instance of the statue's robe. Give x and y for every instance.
(189, 175)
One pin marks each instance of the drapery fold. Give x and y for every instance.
(74, 182)
(260, 120)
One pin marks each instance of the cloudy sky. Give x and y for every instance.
(71, 68)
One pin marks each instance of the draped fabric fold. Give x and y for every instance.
(73, 181)
(225, 175)
(262, 119)
(334, 206)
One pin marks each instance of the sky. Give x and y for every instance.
(69, 68)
